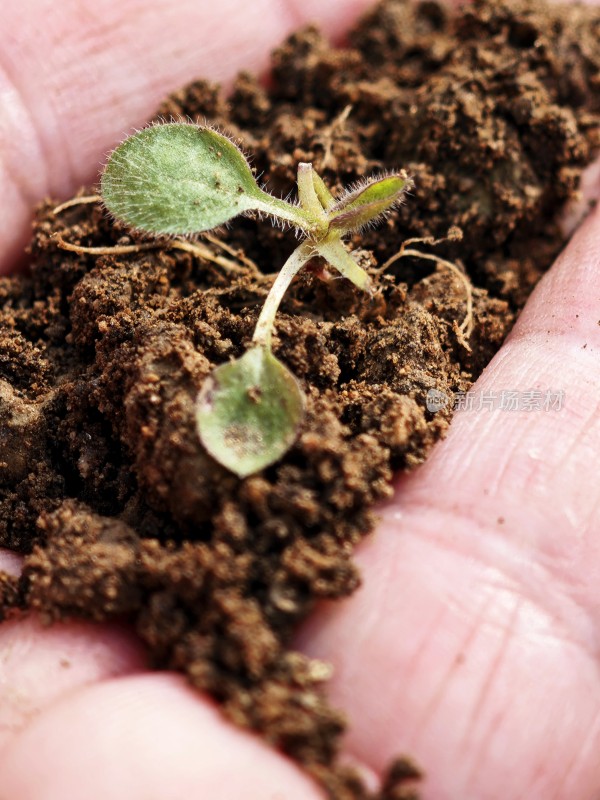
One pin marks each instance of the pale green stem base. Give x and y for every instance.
(264, 327)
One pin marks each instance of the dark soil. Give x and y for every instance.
(104, 485)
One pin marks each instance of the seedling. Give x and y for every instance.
(179, 178)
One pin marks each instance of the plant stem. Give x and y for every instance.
(264, 327)
(297, 217)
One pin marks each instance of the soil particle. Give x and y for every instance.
(104, 485)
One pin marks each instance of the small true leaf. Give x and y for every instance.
(178, 178)
(335, 253)
(248, 412)
(368, 202)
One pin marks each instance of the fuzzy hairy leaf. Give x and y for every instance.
(178, 178)
(248, 412)
(367, 202)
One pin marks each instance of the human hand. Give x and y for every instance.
(484, 651)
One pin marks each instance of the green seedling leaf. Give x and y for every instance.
(307, 193)
(248, 412)
(336, 254)
(326, 199)
(179, 178)
(368, 202)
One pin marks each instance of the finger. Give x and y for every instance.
(539, 460)
(10, 562)
(480, 608)
(144, 738)
(75, 75)
(39, 665)
(578, 207)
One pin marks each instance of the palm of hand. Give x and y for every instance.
(478, 614)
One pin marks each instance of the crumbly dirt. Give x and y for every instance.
(104, 485)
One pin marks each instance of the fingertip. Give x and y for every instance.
(140, 738)
(40, 665)
(10, 562)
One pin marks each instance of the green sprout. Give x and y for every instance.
(179, 178)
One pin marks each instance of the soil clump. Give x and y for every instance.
(104, 486)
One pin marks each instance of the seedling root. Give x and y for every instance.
(465, 329)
